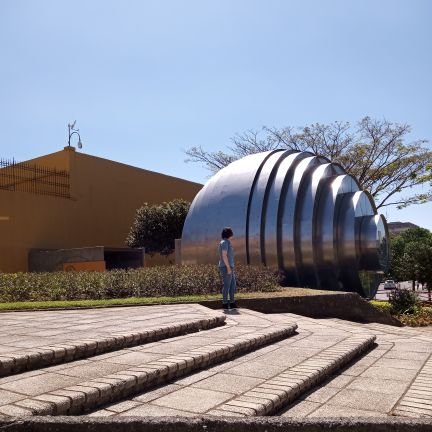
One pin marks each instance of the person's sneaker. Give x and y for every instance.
(225, 305)
(233, 306)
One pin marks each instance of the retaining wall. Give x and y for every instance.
(171, 424)
(348, 306)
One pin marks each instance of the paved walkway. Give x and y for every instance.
(371, 386)
(30, 340)
(80, 384)
(253, 365)
(375, 385)
(23, 330)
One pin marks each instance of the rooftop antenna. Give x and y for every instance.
(72, 131)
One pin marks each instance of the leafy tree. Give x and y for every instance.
(373, 151)
(411, 256)
(157, 226)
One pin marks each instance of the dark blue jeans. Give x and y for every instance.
(229, 285)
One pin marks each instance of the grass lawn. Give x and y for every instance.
(65, 304)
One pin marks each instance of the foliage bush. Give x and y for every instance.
(423, 317)
(404, 301)
(147, 282)
(157, 226)
(382, 305)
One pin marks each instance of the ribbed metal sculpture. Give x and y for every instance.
(294, 211)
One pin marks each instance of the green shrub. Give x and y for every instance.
(422, 317)
(427, 310)
(382, 305)
(404, 301)
(148, 282)
(156, 226)
(416, 316)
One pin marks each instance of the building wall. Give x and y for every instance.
(104, 198)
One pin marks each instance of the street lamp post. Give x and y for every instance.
(73, 131)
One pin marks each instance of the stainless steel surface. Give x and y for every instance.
(223, 201)
(258, 206)
(289, 220)
(294, 211)
(275, 204)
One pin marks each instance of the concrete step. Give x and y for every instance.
(204, 393)
(85, 385)
(273, 394)
(148, 327)
(369, 386)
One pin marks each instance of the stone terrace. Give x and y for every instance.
(256, 364)
(29, 340)
(376, 385)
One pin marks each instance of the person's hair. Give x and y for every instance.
(227, 232)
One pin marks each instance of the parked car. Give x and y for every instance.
(390, 284)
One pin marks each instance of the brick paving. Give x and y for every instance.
(393, 378)
(417, 401)
(30, 340)
(74, 387)
(370, 386)
(268, 397)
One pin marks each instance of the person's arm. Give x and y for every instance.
(225, 260)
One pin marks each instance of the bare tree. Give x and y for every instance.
(374, 151)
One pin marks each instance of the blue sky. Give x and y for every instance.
(146, 80)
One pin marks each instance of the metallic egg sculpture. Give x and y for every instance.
(292, 211)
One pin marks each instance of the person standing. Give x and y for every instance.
(226, 268)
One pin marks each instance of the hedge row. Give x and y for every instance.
(148, 282)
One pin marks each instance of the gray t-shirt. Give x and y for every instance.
(225, 245)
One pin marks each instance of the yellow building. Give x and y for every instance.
(69, 199)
